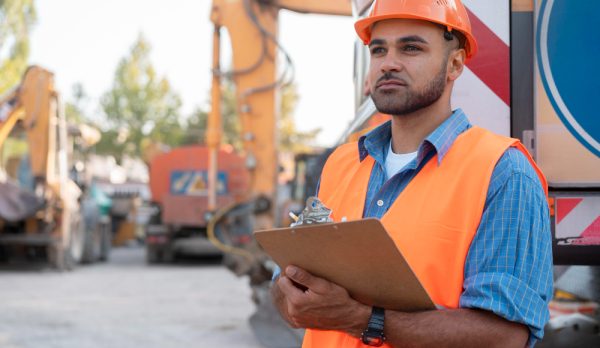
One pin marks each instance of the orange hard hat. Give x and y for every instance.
(449, 13)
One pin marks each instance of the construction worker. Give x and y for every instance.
(466, 207)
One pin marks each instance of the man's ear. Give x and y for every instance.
(456, 63)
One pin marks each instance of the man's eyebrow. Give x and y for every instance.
(405, 39)
(412, 38)
(376, 42)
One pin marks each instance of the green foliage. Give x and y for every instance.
(16, 19)
(139, 105)
(74, 109)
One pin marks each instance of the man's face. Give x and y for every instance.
(408, 69)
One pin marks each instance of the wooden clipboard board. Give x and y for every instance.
(358, 255)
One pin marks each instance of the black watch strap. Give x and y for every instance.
(373, 334)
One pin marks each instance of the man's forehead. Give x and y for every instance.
(402, 27)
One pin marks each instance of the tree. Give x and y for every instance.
(139, 105)
(16, 19)
(74, 109)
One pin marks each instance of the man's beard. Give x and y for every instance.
(398, 103)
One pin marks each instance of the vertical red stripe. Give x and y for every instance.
(492, 61)
(564, 206)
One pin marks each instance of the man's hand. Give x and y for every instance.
(317, 303)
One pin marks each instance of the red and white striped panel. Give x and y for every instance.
(578, 221)
(483, 90)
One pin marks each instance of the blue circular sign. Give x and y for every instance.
(568, 54)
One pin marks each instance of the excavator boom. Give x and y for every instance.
(252, 26)
(330, 7)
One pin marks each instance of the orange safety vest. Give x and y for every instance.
(432, 222)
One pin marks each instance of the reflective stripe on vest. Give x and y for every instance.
(434, 219)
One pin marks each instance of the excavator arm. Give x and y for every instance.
(260, 68)
(252, 26)
(31, 106)
(330, 7)
(10, 114)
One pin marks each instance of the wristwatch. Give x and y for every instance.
(373, 334)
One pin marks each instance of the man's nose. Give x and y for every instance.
(391, 63)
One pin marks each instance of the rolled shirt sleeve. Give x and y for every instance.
(508, 269)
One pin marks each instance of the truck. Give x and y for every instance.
(522, 83)
(179, 190)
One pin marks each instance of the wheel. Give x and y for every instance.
(90, 245)
(77, 239)
(92, 237)
(153, 254)
(105, 238)
(59, 258)
(168, 256)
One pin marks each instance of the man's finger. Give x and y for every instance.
(287, 287)
(302, 277)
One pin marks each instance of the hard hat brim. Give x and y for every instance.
(363, 29)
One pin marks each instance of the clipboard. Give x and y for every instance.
(358, 255)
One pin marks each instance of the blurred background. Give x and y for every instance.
(93, 92)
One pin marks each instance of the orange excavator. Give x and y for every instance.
(39, 204)
(252, 27)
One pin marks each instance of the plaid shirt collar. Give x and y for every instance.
(376, 142)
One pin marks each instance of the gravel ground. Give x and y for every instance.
(125, 303)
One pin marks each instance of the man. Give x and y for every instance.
(467, 208)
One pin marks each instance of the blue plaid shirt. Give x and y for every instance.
(508, 269)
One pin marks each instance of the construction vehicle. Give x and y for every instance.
(508, 87)
(39, 204)
(252, 28)
(179, 187)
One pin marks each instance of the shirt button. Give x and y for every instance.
(380, 203)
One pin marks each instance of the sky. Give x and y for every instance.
(82, 41)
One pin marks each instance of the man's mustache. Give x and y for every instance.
(388, 76)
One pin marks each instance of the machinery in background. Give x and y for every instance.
(179, 188)
(252, 26)
(40, 212)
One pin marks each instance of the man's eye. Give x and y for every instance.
(377, 50)
(411, 48)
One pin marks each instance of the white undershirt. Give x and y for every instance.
(394, 162)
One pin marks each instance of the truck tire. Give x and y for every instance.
(90, 246)
(59, 258)
(105, 239)
(77, 238)
(153, 254)
(90, 219)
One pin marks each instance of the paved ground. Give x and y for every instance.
(123, 304)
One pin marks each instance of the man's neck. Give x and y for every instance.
(409, 131)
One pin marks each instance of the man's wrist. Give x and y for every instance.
(359, 320)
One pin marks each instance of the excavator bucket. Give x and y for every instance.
(17, 204)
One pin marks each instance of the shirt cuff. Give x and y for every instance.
(276, 273)
(508, 297)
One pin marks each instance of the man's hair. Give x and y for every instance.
(450, 35)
